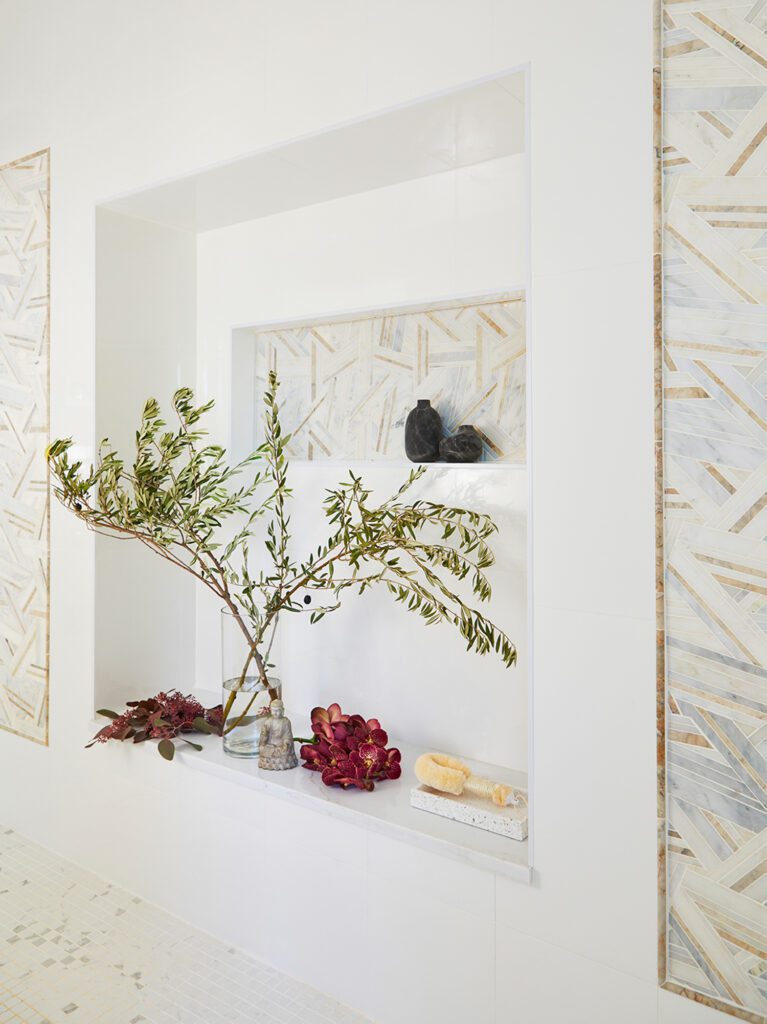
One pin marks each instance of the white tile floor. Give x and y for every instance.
(77, 950)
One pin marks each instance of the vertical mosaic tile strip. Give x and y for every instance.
(24, 362)
(714, 437)
(76, 950)
(347, 385)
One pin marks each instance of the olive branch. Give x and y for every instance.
(179, 497)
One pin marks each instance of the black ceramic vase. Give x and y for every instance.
(423, 432)
(463, 446)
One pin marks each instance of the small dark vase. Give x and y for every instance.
(423, 432)
(463, 446)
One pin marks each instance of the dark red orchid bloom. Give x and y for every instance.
(350, 751)
(369, 757)
(325, 721)
(393, 767)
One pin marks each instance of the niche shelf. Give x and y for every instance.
(386, 811)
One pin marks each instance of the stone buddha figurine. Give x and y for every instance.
(276, 751)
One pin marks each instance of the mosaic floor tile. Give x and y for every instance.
(77, 950)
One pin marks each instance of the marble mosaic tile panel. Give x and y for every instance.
(24, 355)
(347, 384)
(15, 1010)
(77, 950)
(712, 365)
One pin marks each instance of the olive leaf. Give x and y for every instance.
(180, 499)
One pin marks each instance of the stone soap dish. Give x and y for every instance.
(472, 810)
(451, 788)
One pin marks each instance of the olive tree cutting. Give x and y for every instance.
(181, 499)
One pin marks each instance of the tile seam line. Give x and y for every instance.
(648, 619)
(636, 261)
(652, 982)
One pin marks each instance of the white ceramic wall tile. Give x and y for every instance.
(316, 891)
(296, 58)
(414, 874)
(539, 984)
(436, 965)
(159, 264)
(574, 114)
(439, 26)
(596, 324)
(75, 949)
(590, 883)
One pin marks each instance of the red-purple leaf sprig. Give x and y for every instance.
(163, 717)
(349, 750)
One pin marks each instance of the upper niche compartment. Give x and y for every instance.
(348, 383)
(371, 264)
(461, 128)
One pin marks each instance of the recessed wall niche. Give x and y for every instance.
(424, 207)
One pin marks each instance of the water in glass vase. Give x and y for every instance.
(249, 711)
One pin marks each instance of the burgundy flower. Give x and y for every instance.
(327, 721)
(330, 776)
(393, 767)
(349, 750)
(370, 757)
(312, 757)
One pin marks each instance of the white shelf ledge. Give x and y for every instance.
(405, 464)
(386, 810)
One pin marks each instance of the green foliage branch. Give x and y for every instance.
(180, 497)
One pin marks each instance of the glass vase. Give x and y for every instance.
(244, 693)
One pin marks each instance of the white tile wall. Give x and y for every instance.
(544, 984)
(217, 81)
(587, 898)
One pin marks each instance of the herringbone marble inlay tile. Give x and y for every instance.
(24, 341)
(715, 497)
(347, 384)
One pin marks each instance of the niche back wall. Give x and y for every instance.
(461, 233)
